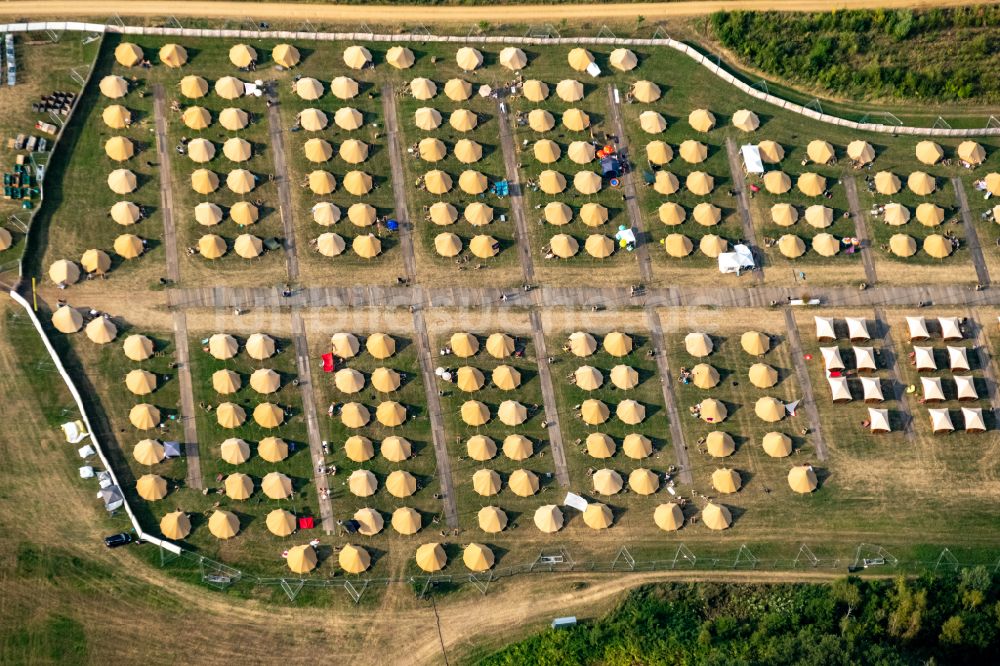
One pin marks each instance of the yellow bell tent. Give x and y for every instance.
(430, 557)
(802, 479)
(224, 525)
(668, 517)
(523, 483)
(548, 518)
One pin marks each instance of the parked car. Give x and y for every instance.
(116, 540)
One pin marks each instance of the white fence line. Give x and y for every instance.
(681, 47)
(86, 421)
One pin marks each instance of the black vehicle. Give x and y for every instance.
(116, 540)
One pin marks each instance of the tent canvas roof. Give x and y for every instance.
(824, 328)
(958, 358)
(831, 358)
(966, 387)
(857, 328)
(973, 418)
(918, 328)
(940, 420)
(751, 159)
(950, 329)
(872, 387)
(924, 357)
(839, 389)
(878, 420)
(864, 358)
(740, 258)
(932, 389)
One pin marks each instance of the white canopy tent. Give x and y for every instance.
(824, 328)
(950, 328)
(831, 358)
(839, 389)
(857, 328)
(878, 420)
(940, 420)
(924, 357)
(872, 387)
(752, 161)
(965, 386)
(741, 258)
(932, 389)
(973, 418)
(918, 328)
(864, 358)
(958, 358)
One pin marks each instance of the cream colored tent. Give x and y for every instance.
(762, 375)
(357, 183)
(234, 451)
(196, 118)
(937, 246)
(755, 343)
(148, 452)
(244, 213)
(464, 344)
(971, 152)
(831, 358)
(699, 183)
(819, 216)
(857, 328)
(548, 518)
(200, 150)
(535, 90)
(285, 55)
(716, 517)
(431, 149)
(443, 213)
(719, 444)
(486, 482)
(523, 483)
(223, 524)
(468, 151)
(239, 487)
(652, 122)
(929, 152)
(481, 447)
(698, 344)
(400, 57)
(348, 118)
(777, 445)
(557, 213)
(820, 151)
(121, 181)
(940, 421)
(390, 413)
(575, 120)
(811, 184)
(242, 55)
(314, 120)
(777, 182)
(693, 152)
(551, 182)
(229, 87)
(317, 150)
(506, 378)
(469, 379)
(468, 58)
(569, 90)
(958, 358)
(872, 388)
(354, 559)
(357, 57)
(540, 120)
(344, 87)
(113, 86)
(607, 482)
(265, 380)
(886, 183)
(769, 409)
(791, 246)
(707, 214)
(597, 516)
(839, 390)
(582, 344)
(864, 358)
(878, 420)
(564, 246)
(992, 181)
(671, 214)
(226, 382)
(276, 485)
(431, 557)
(301, 559)
(923, 358)
(701, 120)
(362, 483)
(902, 245)
(932, 389)
(512, 413)
(463, 120)
(222, 346)
(472, 182)
(423, 89)
(400, 483)
(824, 328)
(929, 214)
(704, 376)
(643, 481)
(128, 246)
(771, 152)
(973, 419)
(588, 378)
(624, 377)
(951, 328)
(637, 446)
(802, 479)
(358, 448)
(594, 412)
(546, 151)
(475, 413)
(406, 521)
(63, 271)
(175, 525)
(746, 120)
(322, 182)
(233, 119)
(101, 331)
(580, 59)
(117, 116)
(513, 58)
(600, 445)
(260, 346)
(861, 152)
(921, 183)
(726, 481)
(354, 415)
(896, 215)
(427, 119)
(272, 449)
(825, 245)
(665, 183)
(668, 517)
(657, 152)
(204, 181)
(69, 320)
(119, 148)
(630, 412)
(128, 54)
(268, 415)
(623, 60)
(140, 382)
(370, 522)
(95, 261)
(678, 245)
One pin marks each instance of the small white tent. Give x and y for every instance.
(918, 328)
(752, 161)
(973, 417)
(831, 358)
(864, 358)
(940, 420)
(839, 389)
(824, 328)
(950, 328)
(857, 328)
(873, 389)
(924, 357)
(965, 386)
(740, 259)
(958, 358)
(932, 389)
(878, 420)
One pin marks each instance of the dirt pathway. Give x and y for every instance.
(359, 14)
(861, 229)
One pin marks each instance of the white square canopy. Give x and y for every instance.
(751, 159)
(857, 328)
(824, 328)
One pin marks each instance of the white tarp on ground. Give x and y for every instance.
(593, 69)
(741, 258)
(574, 501)
(751, 159)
